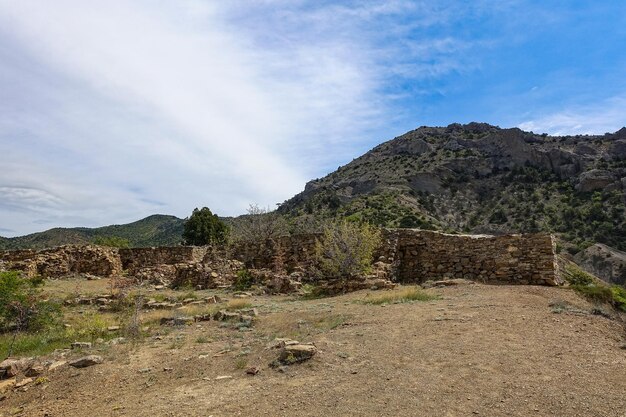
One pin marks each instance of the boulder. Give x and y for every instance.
(177, 321)
(86, 361)
(291, 354)
(12, 367)
(224, 315)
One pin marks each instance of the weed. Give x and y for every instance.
(176, 344)
(560, 306)
(202, 339)
(311, 292)
(241, 363)
(41, 380)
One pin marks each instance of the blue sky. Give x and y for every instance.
(112, 111)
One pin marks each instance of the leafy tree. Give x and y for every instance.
(203, 228)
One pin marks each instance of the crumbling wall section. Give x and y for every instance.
(65, 260)
(514, 259)
(287, 252)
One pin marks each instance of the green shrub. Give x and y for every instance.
(22, 305)
(576, 276)
(345, 249)
(613, 295)
(619, 297)
(595, 293)
(244, 280)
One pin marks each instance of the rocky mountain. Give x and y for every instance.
(156, 230)
(478, 178)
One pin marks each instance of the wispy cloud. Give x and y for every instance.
(597, 118)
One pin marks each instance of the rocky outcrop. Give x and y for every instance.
(596, 179)
(604, 262)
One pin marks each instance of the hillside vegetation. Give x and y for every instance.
(156, 230)
(478, 178)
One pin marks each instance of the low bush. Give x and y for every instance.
(613, 295)
(23, 306)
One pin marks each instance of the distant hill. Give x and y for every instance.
(156, 230)
(480, 178)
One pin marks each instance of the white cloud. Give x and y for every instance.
(598, 118)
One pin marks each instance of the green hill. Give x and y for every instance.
(156, 230)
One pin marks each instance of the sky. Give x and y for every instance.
(113, 111)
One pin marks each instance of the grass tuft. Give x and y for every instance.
(405, 295)
(238, 304)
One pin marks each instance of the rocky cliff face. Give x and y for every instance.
(478, 178)
(604, 262)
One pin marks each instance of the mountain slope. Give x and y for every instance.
(480, 178)
(156, 230)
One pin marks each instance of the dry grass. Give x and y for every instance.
(403, 295)
(300, 325)
(238, 304)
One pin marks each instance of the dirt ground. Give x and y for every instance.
(478, 350)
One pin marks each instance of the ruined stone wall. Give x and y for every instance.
(134, 259)
(420, 255)
(410, 256)
(292, 251)
(65, 260)
(17, 255)
(516, 259)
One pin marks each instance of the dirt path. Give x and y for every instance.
(479, 350)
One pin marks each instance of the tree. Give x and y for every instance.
(259, 225)
(204, 228)
(346, 249)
